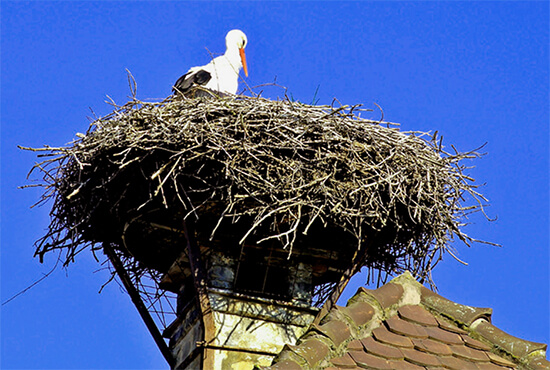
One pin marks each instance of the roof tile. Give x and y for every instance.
(402, 327)
(405, 365)
(336, 330)
(444, 336)
(381, 350)
(355, 345)
(470, 353)
(517, 347)
(312, 350)
(462, 313)
(447, 326)
(471, 342)
(499, 360)
(387, 295)
(344, 362)
(417, 314)
(366, 360)
(489, 366)
(431, 346)
(383, 335)
(420, 358)
(539, 363)
(360, 312)
(456, 363)
(286, 365)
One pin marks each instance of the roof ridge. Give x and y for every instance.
(477, 320)
(411, 326)
(524, 351)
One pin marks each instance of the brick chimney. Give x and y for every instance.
(237, 307)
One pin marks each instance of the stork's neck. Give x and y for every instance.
(233, 56)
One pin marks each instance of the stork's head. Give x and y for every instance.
(237, 39)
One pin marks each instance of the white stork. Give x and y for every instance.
(222, 73)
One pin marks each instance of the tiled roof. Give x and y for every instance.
(403, 325)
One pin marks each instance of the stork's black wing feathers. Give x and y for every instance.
(185, 82)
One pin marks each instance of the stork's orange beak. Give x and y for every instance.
(243, 59)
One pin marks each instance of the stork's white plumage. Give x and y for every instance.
(222, 73)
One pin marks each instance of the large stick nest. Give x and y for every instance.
(266, 172)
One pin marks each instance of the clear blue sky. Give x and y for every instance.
(475, 71)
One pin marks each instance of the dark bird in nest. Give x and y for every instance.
(221, 74)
